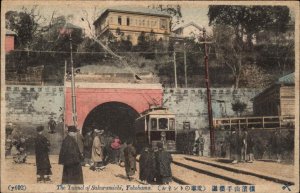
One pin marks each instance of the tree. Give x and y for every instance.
(253, 76)
(25, 24)
(230, 51)
(238, 107)
(173, 10)
(249, 20)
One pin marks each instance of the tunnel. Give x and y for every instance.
(115, 118)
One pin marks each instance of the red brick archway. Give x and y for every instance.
(91, 95)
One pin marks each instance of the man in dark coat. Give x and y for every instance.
(163, 165)
(87, 150)
(147, 165)
(130, 160)
(42, 147)
(70, 157)
(276, 144)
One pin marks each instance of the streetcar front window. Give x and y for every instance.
(153, 124)
(171, 124)
(163, 123)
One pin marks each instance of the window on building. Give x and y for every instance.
(147, 23)
(163, 24)
(153, 123)
(120, 20)
(128, 21)
(163, 123)
(143, 22)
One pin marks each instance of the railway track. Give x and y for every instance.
(220, 175)
(189, 171)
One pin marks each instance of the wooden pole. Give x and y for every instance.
(209, 108)
(74, 113)
(185, 68)
(175, 70)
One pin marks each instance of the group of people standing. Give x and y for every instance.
(92, 150)
(155, 166)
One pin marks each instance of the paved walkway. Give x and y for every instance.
(26, 173)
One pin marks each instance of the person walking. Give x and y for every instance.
(80, 141)
(52, 125)
(250, 146)
(70, 158)
(163, 165)
(87, 150)
(201, 144)
(97, 150)
(130, 160)
(122, 157)
(42, 148)
(147, 165)
(244, 139)
(115, 146)
(276, 145)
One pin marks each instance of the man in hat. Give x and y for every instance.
(163, 165)
(52, 125)
(97, 149)
(87, 150)
(147, 165)
(70, 157)
(42, 147)
(130, 160)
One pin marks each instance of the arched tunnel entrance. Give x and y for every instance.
(115, 118)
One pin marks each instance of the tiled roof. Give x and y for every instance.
(9, 32)
(133, 9)
(287, 79)
(189, 24)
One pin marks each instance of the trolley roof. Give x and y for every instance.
(156, 111)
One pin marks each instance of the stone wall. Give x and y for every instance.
(191, 105)
(30, 106)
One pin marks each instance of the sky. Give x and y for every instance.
(190, 11)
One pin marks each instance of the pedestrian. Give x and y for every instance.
(250, 146)
(147, 165)
(42, 148)
(115, 146)
(234, 149)
(196, 147)
(87, 150)
(122, 157)
(244, 144)
(201, 144)
(223, 149)
(18, 150)
(276, 145)
(130, 160)
(70, 158)
(97, 150)
(80, 141)
(52, 125)
(163, 165)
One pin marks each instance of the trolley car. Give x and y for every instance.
(156, 125)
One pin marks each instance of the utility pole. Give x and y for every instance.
(184, 56)
(209, 108)
(175, 70)
(74, 112)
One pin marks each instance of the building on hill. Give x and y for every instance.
(129, 24)
(9, 40)
(278, 99)
(190, 30)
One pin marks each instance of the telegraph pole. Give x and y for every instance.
(209, 108)
(184, 56)
(175, 70)
(74, 112)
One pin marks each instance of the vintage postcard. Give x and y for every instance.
(149, 96)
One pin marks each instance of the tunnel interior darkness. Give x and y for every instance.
(114, 118)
